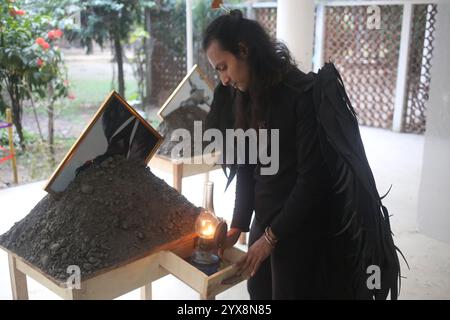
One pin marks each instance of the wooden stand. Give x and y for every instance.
(139, 273)
(181, 169)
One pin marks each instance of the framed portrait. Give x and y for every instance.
(194, 90)
(115, 129)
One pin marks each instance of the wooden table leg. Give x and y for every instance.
(18, 280)
(146, 292)
(74, 294)
(205, 297)
(177, 175)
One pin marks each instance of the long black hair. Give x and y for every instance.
(269, 63)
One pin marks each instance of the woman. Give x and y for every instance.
(294, 250)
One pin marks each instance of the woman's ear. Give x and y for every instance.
(243, 50)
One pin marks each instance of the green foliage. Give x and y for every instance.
(101, 20)
(169, 25)
(31, 64)
(25, 59)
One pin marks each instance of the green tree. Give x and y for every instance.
(30, 64)
(112, 20)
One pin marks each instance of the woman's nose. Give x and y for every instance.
(225, 79)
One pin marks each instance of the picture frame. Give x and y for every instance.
(116, 128)
(195, 85)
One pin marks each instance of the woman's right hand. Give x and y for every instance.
(232, 237)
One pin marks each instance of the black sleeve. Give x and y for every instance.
(310, 168)
(245, 197)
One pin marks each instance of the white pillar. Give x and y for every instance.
(295, 27)
(434, 203)
(189, 37)
(319, 37)
(402, 69)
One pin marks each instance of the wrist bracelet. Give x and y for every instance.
(271, 239)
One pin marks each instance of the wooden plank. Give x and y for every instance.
(207, 287)
(233, 254)
(41, 277)
(183, 270)
(214, 284)
(122, 280)
(107, 284)
(179, 246)
(19, 286)
(178, 176)
(133, 274)
(206, 297)
(190, 167)
(146, 292)
(194, 169)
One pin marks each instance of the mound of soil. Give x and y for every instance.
(111, 213)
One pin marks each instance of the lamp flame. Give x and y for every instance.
(206, 224)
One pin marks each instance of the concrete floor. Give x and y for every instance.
(395, 159)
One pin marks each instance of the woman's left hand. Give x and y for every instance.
(256, 254)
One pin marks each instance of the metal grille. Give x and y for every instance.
(366, 58)
(267, 17)
(169, 52)
(168, 69)
(420, 54)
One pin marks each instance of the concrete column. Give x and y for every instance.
(295, 27)
(434, 194)
(402, 69)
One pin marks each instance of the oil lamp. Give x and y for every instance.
(211, 232)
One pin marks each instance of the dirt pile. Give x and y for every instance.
(111, 213)
(181, 118)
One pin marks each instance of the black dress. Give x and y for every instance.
(296, 201)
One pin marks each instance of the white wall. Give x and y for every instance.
(434, 193)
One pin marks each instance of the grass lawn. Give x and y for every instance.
(94, 91)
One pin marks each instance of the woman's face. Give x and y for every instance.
(233, 70)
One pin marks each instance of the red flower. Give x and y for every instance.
(66, 83)
(54, 34)
(39, 62)
(216, 4)
(71, 96)
(51, 35)
(58, 33)
(41, 42)
(15, 12)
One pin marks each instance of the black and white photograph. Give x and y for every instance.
(116, 129)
